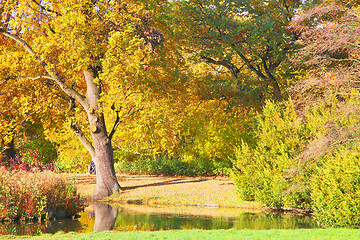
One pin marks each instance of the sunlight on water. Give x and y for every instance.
(100, 217)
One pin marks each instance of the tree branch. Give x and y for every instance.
(79, 133)
(46, 9)
(25, 77)
(24, 120)
(117, 122)
(249, 65)
(126, 150)
(233, 69)
(276, 88)
(54, 75)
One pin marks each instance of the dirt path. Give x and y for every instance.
(172, 191)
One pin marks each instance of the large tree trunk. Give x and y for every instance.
(106, 182)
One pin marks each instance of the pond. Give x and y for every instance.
(100, 216)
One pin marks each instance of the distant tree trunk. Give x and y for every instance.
(106, 182)
(9, 152)
(276, 88)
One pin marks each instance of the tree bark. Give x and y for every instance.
(274, 83)
(106, 182)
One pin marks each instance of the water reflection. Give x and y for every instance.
(105, 216)
(37, 228)
(273, 221)
(100, 216)
(156, 222)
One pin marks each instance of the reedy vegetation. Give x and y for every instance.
(28, 195)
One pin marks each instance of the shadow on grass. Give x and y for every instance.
(168, 182)
(85, 179)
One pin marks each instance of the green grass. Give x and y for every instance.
(306, 234)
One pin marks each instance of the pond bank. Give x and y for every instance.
(174, 192)
(216, 192)
(100, 216)
(152, 203)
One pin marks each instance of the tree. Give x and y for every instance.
(249, 38)
(330, 52)
(74, 55)
(327, 98)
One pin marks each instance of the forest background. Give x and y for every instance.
(263, 91)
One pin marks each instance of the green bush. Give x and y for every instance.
(163, 165)
(73, 165)
(45, 149)
(33, 137)
(310, 163)
(336, 189)
(260, 170)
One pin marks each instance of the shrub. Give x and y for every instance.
(73, 165)
(163, 165)
(312, 163)
(260, 170)
(43, 147)
(27, 195)
(28, 160)
(336, 189)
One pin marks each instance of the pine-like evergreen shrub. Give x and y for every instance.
(260, 170)
(336, 189)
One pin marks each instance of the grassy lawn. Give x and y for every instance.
(306, 234)
(160, 190)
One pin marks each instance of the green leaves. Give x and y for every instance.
(261, 169)
(238, 35)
